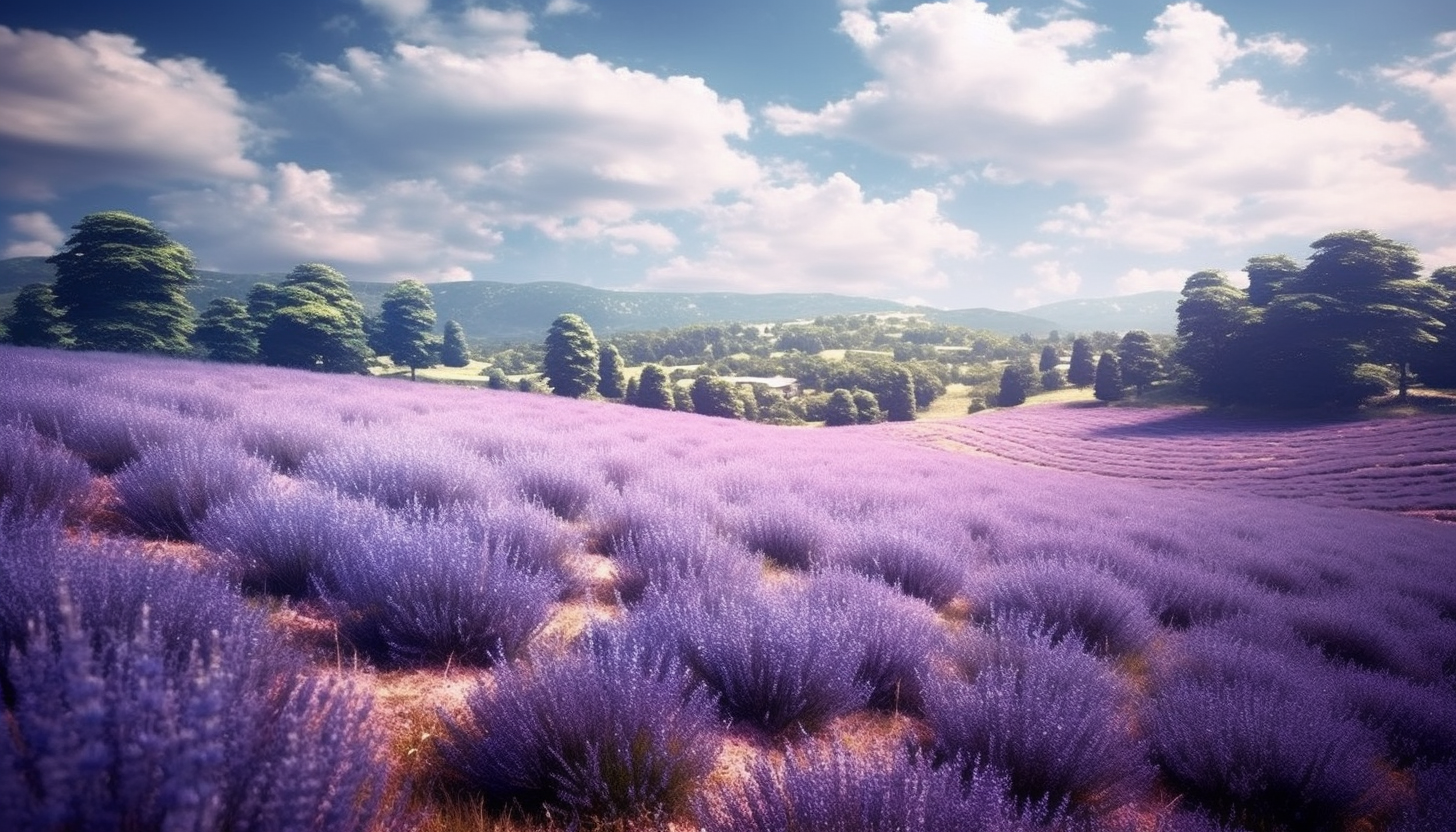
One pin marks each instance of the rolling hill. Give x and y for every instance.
(498, 311)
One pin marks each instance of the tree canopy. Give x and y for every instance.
(225, 332)
(454, 351)
(1349, 325)
(1081, 371)
(1108, 386)
(572, 355)
(120, 286)
(612, 381)
(316, 323)
(653, 389)
(406, 324)
(34, 320)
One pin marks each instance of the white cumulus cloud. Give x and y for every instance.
(1433, 75)
(96, 110)
(821, 237)
(35, 235)
(293, 215)
(1166, 147)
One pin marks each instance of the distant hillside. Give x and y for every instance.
(1155, 312)
(513, 311)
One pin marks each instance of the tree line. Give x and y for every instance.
(121, 285)
(1355, 321)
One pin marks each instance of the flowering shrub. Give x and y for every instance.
(895, 636)
(170, 488)
(399, 473)
(606, 733)
(109, 732)
(430, 594)
(1067, 600)
(772, 662)
(1052, 719)
(827, 787)
(1253, 752)
(280, 540)
(903, 559)
(37, 476)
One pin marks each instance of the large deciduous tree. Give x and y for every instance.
(120, 286)
(406, 324)
(1138, 359)
(1268, 275)
(317, 323)
(571, 363)
(226, 333)
(713, 396)
(1213, 316)
(1436, 363)
(899, 404)
(34, 320)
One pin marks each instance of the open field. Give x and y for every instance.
(1406, 464)
(241, 597)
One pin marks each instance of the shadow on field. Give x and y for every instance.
(1211, 421)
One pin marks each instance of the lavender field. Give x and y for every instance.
(248, 598)
(1403, 465)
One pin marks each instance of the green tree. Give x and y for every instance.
(866, 406)
(1377, 302)
(454, 352)
(1213, 324)
(1138, 360)
(634, 386)
(899, 404)
(35, 321)
(1108, 386)
(406, 324)
(496, 379)
(316, 324)
(1436, 363)
(1081, 371)
(714, 396)
(840, 410)
(226, 333)
(1049, 359)
(263, 301)
(612, 383)
(1052, 379)
(1268, 275)
(1013, 386)
(653, 389)
(571, 363)
(121, 283)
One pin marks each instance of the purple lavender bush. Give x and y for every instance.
(909, 560)
(772, 662)
(279, 539)
(826, 786)
(1067, 601)
(1052, 719)
(107, 732)
(896, 637)
(603, 734)
(1263, 755)
(420, 594)
(37, 476)
(169, 489)
(401, 472)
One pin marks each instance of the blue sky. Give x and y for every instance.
(953, 153)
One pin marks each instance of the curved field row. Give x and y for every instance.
(1406, 465)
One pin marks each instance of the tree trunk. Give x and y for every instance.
(1404, 379)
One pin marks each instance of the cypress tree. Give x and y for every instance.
(571, 364)
(899, 405)
(612, 372)
(1108, 387)
(317, 323)
(1138, 361)
(454, 352)
(406, 321)
(1081, 371)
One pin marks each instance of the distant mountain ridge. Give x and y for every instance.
(494, 310)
